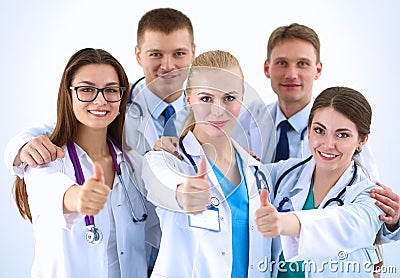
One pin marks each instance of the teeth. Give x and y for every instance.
(98, 112)
(167, 76)
(327, 155)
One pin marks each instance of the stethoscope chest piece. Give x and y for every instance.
(93, 235)
(214, 201)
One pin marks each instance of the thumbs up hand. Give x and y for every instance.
(267, 217)
(94, 193)
(194, 194)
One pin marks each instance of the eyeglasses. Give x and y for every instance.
(90, 93)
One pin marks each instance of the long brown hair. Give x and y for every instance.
(67, 124)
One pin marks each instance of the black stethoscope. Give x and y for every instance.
(93, 234)
(302, 135)
(187, 155)
(261, 179)
(139, 110)
(331, 200)
(130, 100)
(213, 200)
(135, 105)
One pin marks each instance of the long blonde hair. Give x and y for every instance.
(215, 59)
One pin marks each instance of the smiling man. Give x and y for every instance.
(292, 65)
(165, 49)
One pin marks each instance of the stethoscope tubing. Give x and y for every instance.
(89, 220)
(131, 176)
(145, 212)
(335, 199)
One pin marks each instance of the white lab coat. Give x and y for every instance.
(193, 252)
(350, 229)
(140, 131)
(60, 246)
(256, 131)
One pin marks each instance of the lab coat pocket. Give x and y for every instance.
(182, 221)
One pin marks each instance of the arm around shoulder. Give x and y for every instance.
(17, 142)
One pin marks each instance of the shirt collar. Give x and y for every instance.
(298, 121)
(192, 146)
(156, 105)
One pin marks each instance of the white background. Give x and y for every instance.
(360, 49)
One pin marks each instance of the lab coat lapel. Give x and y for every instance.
(340, 184)
(301, 187)
(194, 149)
(249, 164)
(269, 138)
(146, 127)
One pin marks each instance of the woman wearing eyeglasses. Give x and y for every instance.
(87, 215)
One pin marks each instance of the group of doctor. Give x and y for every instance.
(205, 191)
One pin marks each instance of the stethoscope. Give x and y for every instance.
(139, 113)
(213, 199)
(261, 179)
(135, 105)
(302, 135)
(93, 234)
(331, 200)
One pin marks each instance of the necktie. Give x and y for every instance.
(169, 125)
(282, 149)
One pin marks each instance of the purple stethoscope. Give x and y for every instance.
(93, 234)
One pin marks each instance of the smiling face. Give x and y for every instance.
(333, 140)
(99, 113)
(215, 98)
(160, 56)
(292, 68)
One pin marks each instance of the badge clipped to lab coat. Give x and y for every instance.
(208, 219)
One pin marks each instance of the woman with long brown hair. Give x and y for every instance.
(82, 206)
(321, 206)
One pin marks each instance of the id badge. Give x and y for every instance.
(208, 219)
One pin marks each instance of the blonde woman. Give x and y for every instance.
(206, 202)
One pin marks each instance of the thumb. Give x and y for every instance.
(98, 173)
(202, 168)
(60, 153)
(264, 197)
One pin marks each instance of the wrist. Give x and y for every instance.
(71, 197)
(17, 160)
(289, 224)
